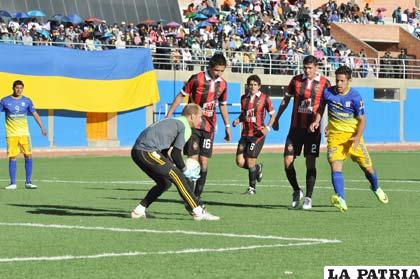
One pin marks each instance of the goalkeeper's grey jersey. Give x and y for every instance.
(164, 134)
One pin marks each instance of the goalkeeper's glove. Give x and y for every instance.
(191, 174)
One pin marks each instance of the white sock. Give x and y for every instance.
(140, 208)
(198, 210)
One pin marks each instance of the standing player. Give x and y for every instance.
(346, 123)
(206, 89)
(150, 153)
(307, 91)
(16, 108)
(254, 105)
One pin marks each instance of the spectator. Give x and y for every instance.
(416, 31)
(402, 64)
(386, 68)
(379, 18)
(396, 15)
(27, 39)
(119, 43)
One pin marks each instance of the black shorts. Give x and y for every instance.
(250, 147)
(200, 143)
(302, 137)
(164, 173)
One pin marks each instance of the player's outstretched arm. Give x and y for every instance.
(178, 99)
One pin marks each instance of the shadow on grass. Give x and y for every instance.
(62, 210)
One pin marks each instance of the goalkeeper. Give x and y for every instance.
(150, 153)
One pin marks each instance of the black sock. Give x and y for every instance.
(199, 186)
(252, 175)
(291, 176)
(310, 182)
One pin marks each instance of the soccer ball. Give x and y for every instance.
(193, 167)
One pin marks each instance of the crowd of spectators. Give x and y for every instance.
(252, 32)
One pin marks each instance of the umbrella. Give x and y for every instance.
(73, 18)
(381, 9)
(59, 17)
(209, 11)
(200, 16)
(148, 22)
(20, 15)
(44, 33)
(93, 19)
(36, 13)
(107, 35)
(340, 46)
(213, 20)
(190, 15)
(172, 24)
(4, 13)
(203, 24)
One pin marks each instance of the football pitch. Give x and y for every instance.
(77, 224)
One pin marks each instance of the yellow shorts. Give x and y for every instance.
(18, 144)
(339, 146)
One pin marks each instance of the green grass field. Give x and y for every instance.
(77, 225)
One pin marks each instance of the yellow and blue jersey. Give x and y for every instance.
(16, 111)
(343, 110)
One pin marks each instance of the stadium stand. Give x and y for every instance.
(267, 36)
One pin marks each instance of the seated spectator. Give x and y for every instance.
(416, 31)
(90, 43)
(119, 43)
(27, 39)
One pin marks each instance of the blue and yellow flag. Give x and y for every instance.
(78, 80)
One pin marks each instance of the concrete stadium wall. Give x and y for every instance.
(351, 41)
(409, 42)
(371, 32)
(69, 129)
(412, 115)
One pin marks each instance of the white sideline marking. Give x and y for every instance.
(57, 226)
(241, 184)
(305, 241)
(139, 253)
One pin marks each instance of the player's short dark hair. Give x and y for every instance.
(344, 70)
(253, 78)
(18, 82)
(217, 60)
(310, 59)
(191, 109)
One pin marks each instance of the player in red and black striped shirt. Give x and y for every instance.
(307, 90)
(254, 105)
(207, 89)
